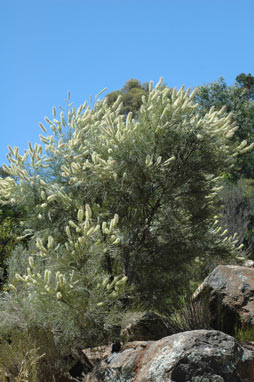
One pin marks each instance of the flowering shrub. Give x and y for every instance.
(117, 210)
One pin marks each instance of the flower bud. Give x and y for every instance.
(105, 281)
(43, 195)
(80, 214)
(88, 212)
(148, 160)
(50, 242)
(39, 244)
(42, 127)
(19, 277)
(224, 232)
(68, 232)
(104, 227)
(87, 225)
(61, 280)
(158, 161)
(58, 274)
(116, 219)
(31, 261)
(97, 228)
(90, 231)
(168, 161)
(114, 294)
(47, 276)
(59, 295)
(72, 224)
(122, 282)
(52, 197)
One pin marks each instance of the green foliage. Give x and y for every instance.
(31, 356)
(9, 217)
(131, 96)
(237, 196)
(7, 242)
(37, 337)
(237, 212)
(8, 225)
(245, 333)
(119, 211)
(238, 100)
(246, 82)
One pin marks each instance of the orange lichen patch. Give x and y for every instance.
(99, 352)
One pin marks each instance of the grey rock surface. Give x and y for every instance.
(147, 326)
(193, 356)
(229, 291)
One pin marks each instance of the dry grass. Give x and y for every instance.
(192, 315)
(29, 356)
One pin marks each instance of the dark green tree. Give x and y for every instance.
(246, 82)
(238, 100)
(131, 93)
(238, 213)
(8, 225)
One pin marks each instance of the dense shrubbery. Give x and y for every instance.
(120, 214)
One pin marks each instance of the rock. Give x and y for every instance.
(98, 353)
(193, 356)
(249, 263)
(145, 326)
(229, 292)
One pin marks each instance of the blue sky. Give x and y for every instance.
(50, 47)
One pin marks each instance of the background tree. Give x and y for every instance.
(237, 212)
(239, 101)
(246, 82)
(8, 225)
(131, 96)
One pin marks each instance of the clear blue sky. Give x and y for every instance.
(50, 47)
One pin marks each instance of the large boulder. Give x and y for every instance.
(143, 326)
(229, 293)
(193, 356)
